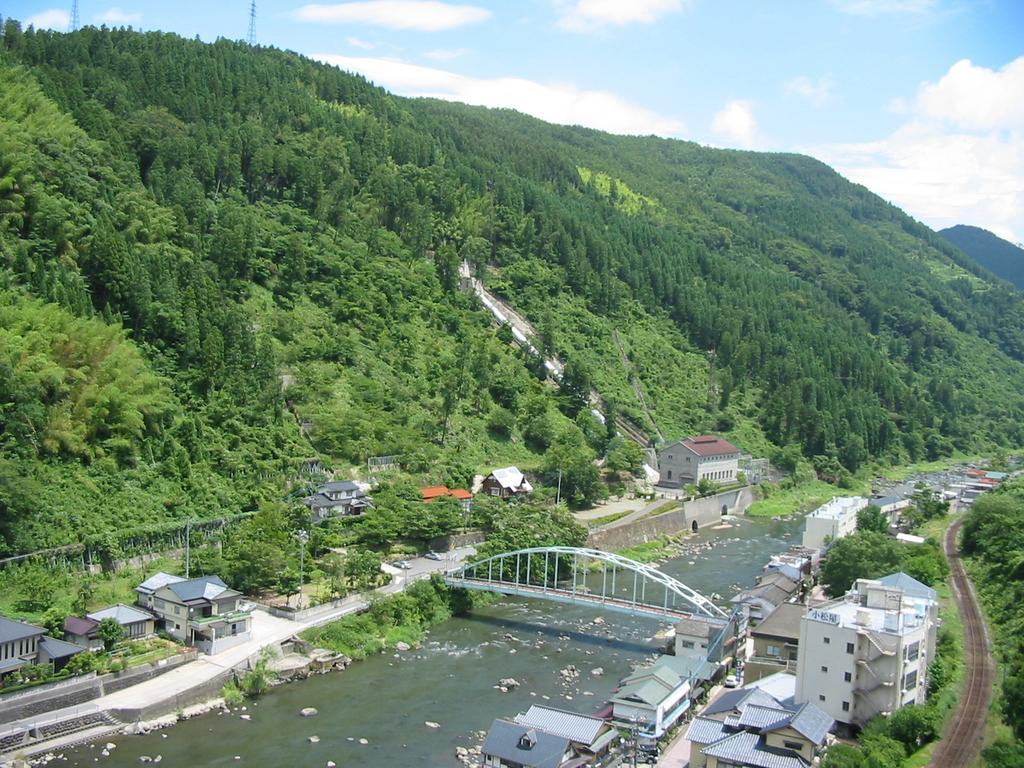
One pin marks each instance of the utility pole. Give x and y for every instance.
(73, 23)
(303, 537)
(188, 545)
(558, 495)
(251, 37)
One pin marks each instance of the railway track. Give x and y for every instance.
(962, 742)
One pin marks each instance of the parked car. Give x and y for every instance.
(433, 556)
(731, 681)
(403, 564)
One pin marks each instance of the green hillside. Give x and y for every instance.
(998, 256)
(255, 242)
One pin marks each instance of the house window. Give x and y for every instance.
(670, 474)
(847, 677)
(913, 650)
(792, 745)
(821, 697)
(686, 643)
(670, 457)
(910, 681)
(824, 668)
(773, 650)
(846, 706)
(849, 647)
(827, 640)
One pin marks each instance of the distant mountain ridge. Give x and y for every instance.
(999, 256)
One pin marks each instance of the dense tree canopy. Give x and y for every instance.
(254, 261)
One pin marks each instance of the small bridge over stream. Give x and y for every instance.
(588, 577)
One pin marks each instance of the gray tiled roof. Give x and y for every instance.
(203, 588)
(58, 649)
(759, 716)
(338, 485)
(784, 621)
(696, 628)
(747, 749)
(738, 698)
(156, 581)
(120, 613)
(811, 721)
(581, 729)
(504, 742)
(704, 730)
(11, 630)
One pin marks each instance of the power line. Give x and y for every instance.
(73, 24)
(251, 39)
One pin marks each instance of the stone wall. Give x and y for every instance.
(456, 540)
(704, 512)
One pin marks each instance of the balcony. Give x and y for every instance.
(227, 618)
(781, 664)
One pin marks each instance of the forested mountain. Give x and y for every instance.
(999, 256)
(254, 241)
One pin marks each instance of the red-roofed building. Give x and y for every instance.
(432, 492)
(696, 458)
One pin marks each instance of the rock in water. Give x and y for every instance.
(432, 724)
(400, 646)
(314, 739)
(309, 711)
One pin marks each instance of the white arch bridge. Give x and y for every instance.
(588, 577)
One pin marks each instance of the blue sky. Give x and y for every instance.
(920, 100)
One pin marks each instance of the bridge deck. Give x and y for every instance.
(617, 604)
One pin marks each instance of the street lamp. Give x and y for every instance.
(303, 537)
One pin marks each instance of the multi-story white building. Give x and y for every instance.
(832, 520)
(868, 652)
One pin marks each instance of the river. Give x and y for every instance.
(387, 699)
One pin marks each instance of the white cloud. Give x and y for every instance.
(883, 7)
(977, 97)
(116, 17)
(422, 15)
(355, 42)
(51, 19)
(589, 15)
(555, 102)
(445, 54)
(817, 91)
(736, 123)
(959, 158)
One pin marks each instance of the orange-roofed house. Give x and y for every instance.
(696, 458)
(432, 492)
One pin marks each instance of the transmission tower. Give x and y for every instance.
(251, 39)
(73, 24)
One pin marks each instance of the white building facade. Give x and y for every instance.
(868, 652)
(698, 458)
(833, 520)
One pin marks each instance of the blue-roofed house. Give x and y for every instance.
(750, 728)
(588, 736)
(513, 745)
(22, 644)
(203, 612)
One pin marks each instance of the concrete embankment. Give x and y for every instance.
(690, 516)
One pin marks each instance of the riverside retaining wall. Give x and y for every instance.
(704, 512)
(73, 692)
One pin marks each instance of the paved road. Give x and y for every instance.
(966, 730)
